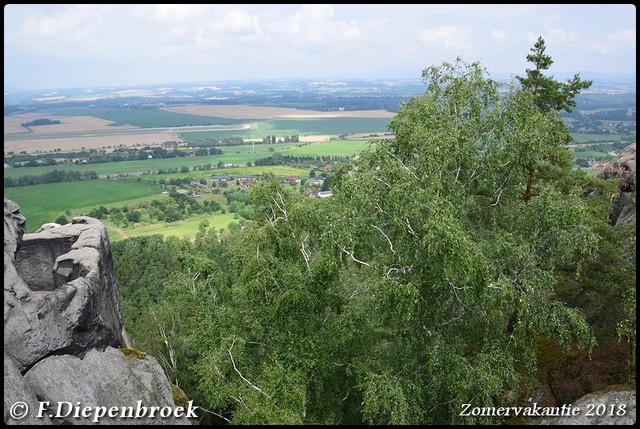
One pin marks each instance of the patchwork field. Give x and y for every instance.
(71, 143)
(44, 203)
(237, 111)
(81, 123)
(88, 128)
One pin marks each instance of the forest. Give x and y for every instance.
(459, 263)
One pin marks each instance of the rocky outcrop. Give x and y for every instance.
(63, 324)
(130, 381)
(623, 169)
(18, 391)
(608, 407)
(60, 294)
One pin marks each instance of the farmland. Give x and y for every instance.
(44, 203)
(107, 129)
(322, 135)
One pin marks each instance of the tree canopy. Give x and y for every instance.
(421, 285)
(549, 93)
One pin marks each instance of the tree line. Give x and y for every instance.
(54, 176)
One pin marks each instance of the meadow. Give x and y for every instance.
(187, 228)
(236, 155)
(595, 138)
(44, 203)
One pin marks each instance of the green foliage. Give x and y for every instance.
(423, 284)
(62, 220)
(550, 94)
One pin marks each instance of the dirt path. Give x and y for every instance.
(120, 232)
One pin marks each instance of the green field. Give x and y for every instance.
(44, 203)
(277, 170)
(184, 228)
(593, 138)
(590, 154)
(145, 118)
(237, 155)
(301, 127)
(333, 148)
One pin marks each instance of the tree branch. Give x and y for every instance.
(240, 374)
(353, 257)
(385, 236)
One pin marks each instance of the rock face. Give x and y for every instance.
(63, 323)
(623, 168)
(121, 382)
(60, 294)
(600, 408)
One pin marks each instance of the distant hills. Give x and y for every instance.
(268, 92)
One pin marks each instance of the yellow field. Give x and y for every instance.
(77, 132)
(69, 124)
(242, 111)
(88, 142)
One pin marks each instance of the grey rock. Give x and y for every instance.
(108, 379)
(62, 320)
(600, 408)
(623, 168)
(18, 394)
(60, 290)
(47, 226)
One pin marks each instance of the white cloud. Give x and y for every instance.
(314, 25)
(623, 36)
(171, 43)
(499, 35)
(237, 23)
(447, 37)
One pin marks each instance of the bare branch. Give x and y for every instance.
(377, 206)
(402, 164)
(345, 398)
(455, 291)
(497, 195)
(382, 181)
(239, 401)
(215, 414)
(409, 226)
(172, 362)
(240, 374)
(304, 253)
(385, 236)
(353, 257)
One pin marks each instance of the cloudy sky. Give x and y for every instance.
(50, 46)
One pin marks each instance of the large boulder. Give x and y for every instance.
(19, 398)
(60, 290)
(607, 407)
(63, 326)
(128, 380)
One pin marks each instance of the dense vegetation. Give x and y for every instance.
(428, 280)
(41, 121)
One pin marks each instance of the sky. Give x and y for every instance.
(49, 46)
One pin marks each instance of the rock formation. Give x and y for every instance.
(63, 325)
(623, 168)
(608, 407)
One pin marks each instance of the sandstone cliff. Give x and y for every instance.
(63, 327)
(623, 169)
